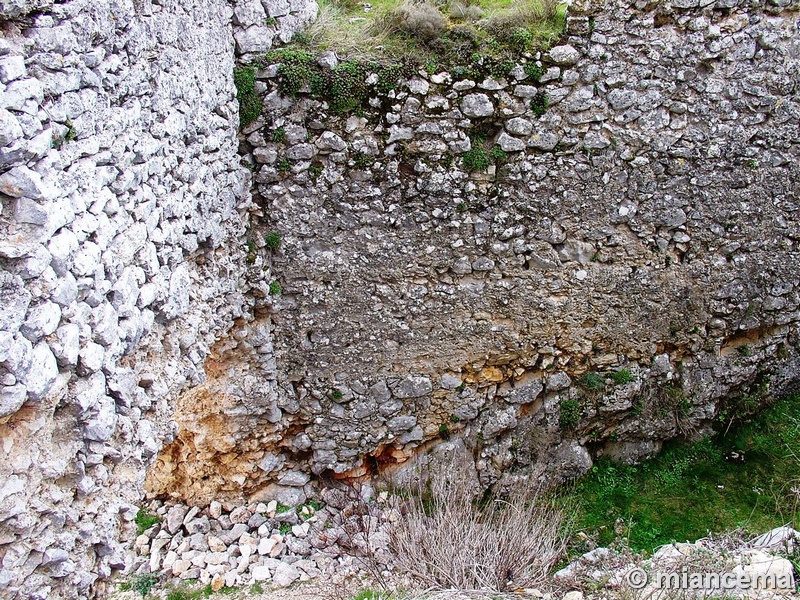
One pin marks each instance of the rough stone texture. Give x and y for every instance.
(646, 221)
(123, 209)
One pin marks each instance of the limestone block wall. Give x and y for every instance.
(123, 203)
(622, 273)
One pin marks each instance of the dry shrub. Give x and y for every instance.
(463, 11)
(445, 540)
(417, 19)
(523, 14)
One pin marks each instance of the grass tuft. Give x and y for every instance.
(145, 519)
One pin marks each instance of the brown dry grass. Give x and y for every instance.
(446, 541)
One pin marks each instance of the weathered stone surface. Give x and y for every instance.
(564, 55)
(419, 301)
(477, 105)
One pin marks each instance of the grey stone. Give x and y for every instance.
(483, 263)
(254, 39)
(42, 320)
(413, 387)
(22, 182)
(285, 575)
(300, 152)
(67, 345)
(11, 68)
(510, 144)
(42, 373)
(101, 425)
(330, 142)
(328, 60)
(174, 518)
(10, 130)
(91, 357)
(595, 141)
(418, 86)
(61, 247)
(11, 399)
(519, 126)
(558, 381)
(477, 105)
(15, 302)
(564, 55)
(543, 140)
(277, 8)
(526, 393)
(620, 99)
(402, 423)
(294, 479)
(248, 12)
(379, 392)
(28, 211)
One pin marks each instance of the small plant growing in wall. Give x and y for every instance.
(362, 160)
(497, 154)
(534, 72)
(251, 252)
(476, 159)
(315, 170)
(275, 288)
(279, 135)
(272, 240)
(69, 136)
(622, 377)
(592, 381)
(569, 414)
(283, 166)
(144, 520)
(539, 104)
(249, 103)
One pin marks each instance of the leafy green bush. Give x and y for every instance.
(533, 71)
(249, 103)
(476, 159)
(283, 166)
(275, 288)
(592, 381)
(569, 414)
(145, 519)
(144, 583)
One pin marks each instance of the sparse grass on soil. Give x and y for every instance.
(426, 32)
(747, 478)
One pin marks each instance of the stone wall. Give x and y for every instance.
(123, 202)
(621, 275)
(645, 223)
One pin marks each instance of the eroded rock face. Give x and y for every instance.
(645, 222)
(123, 206)
(620, 277)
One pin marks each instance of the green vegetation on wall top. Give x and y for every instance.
(450, 32)
(392, 39)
